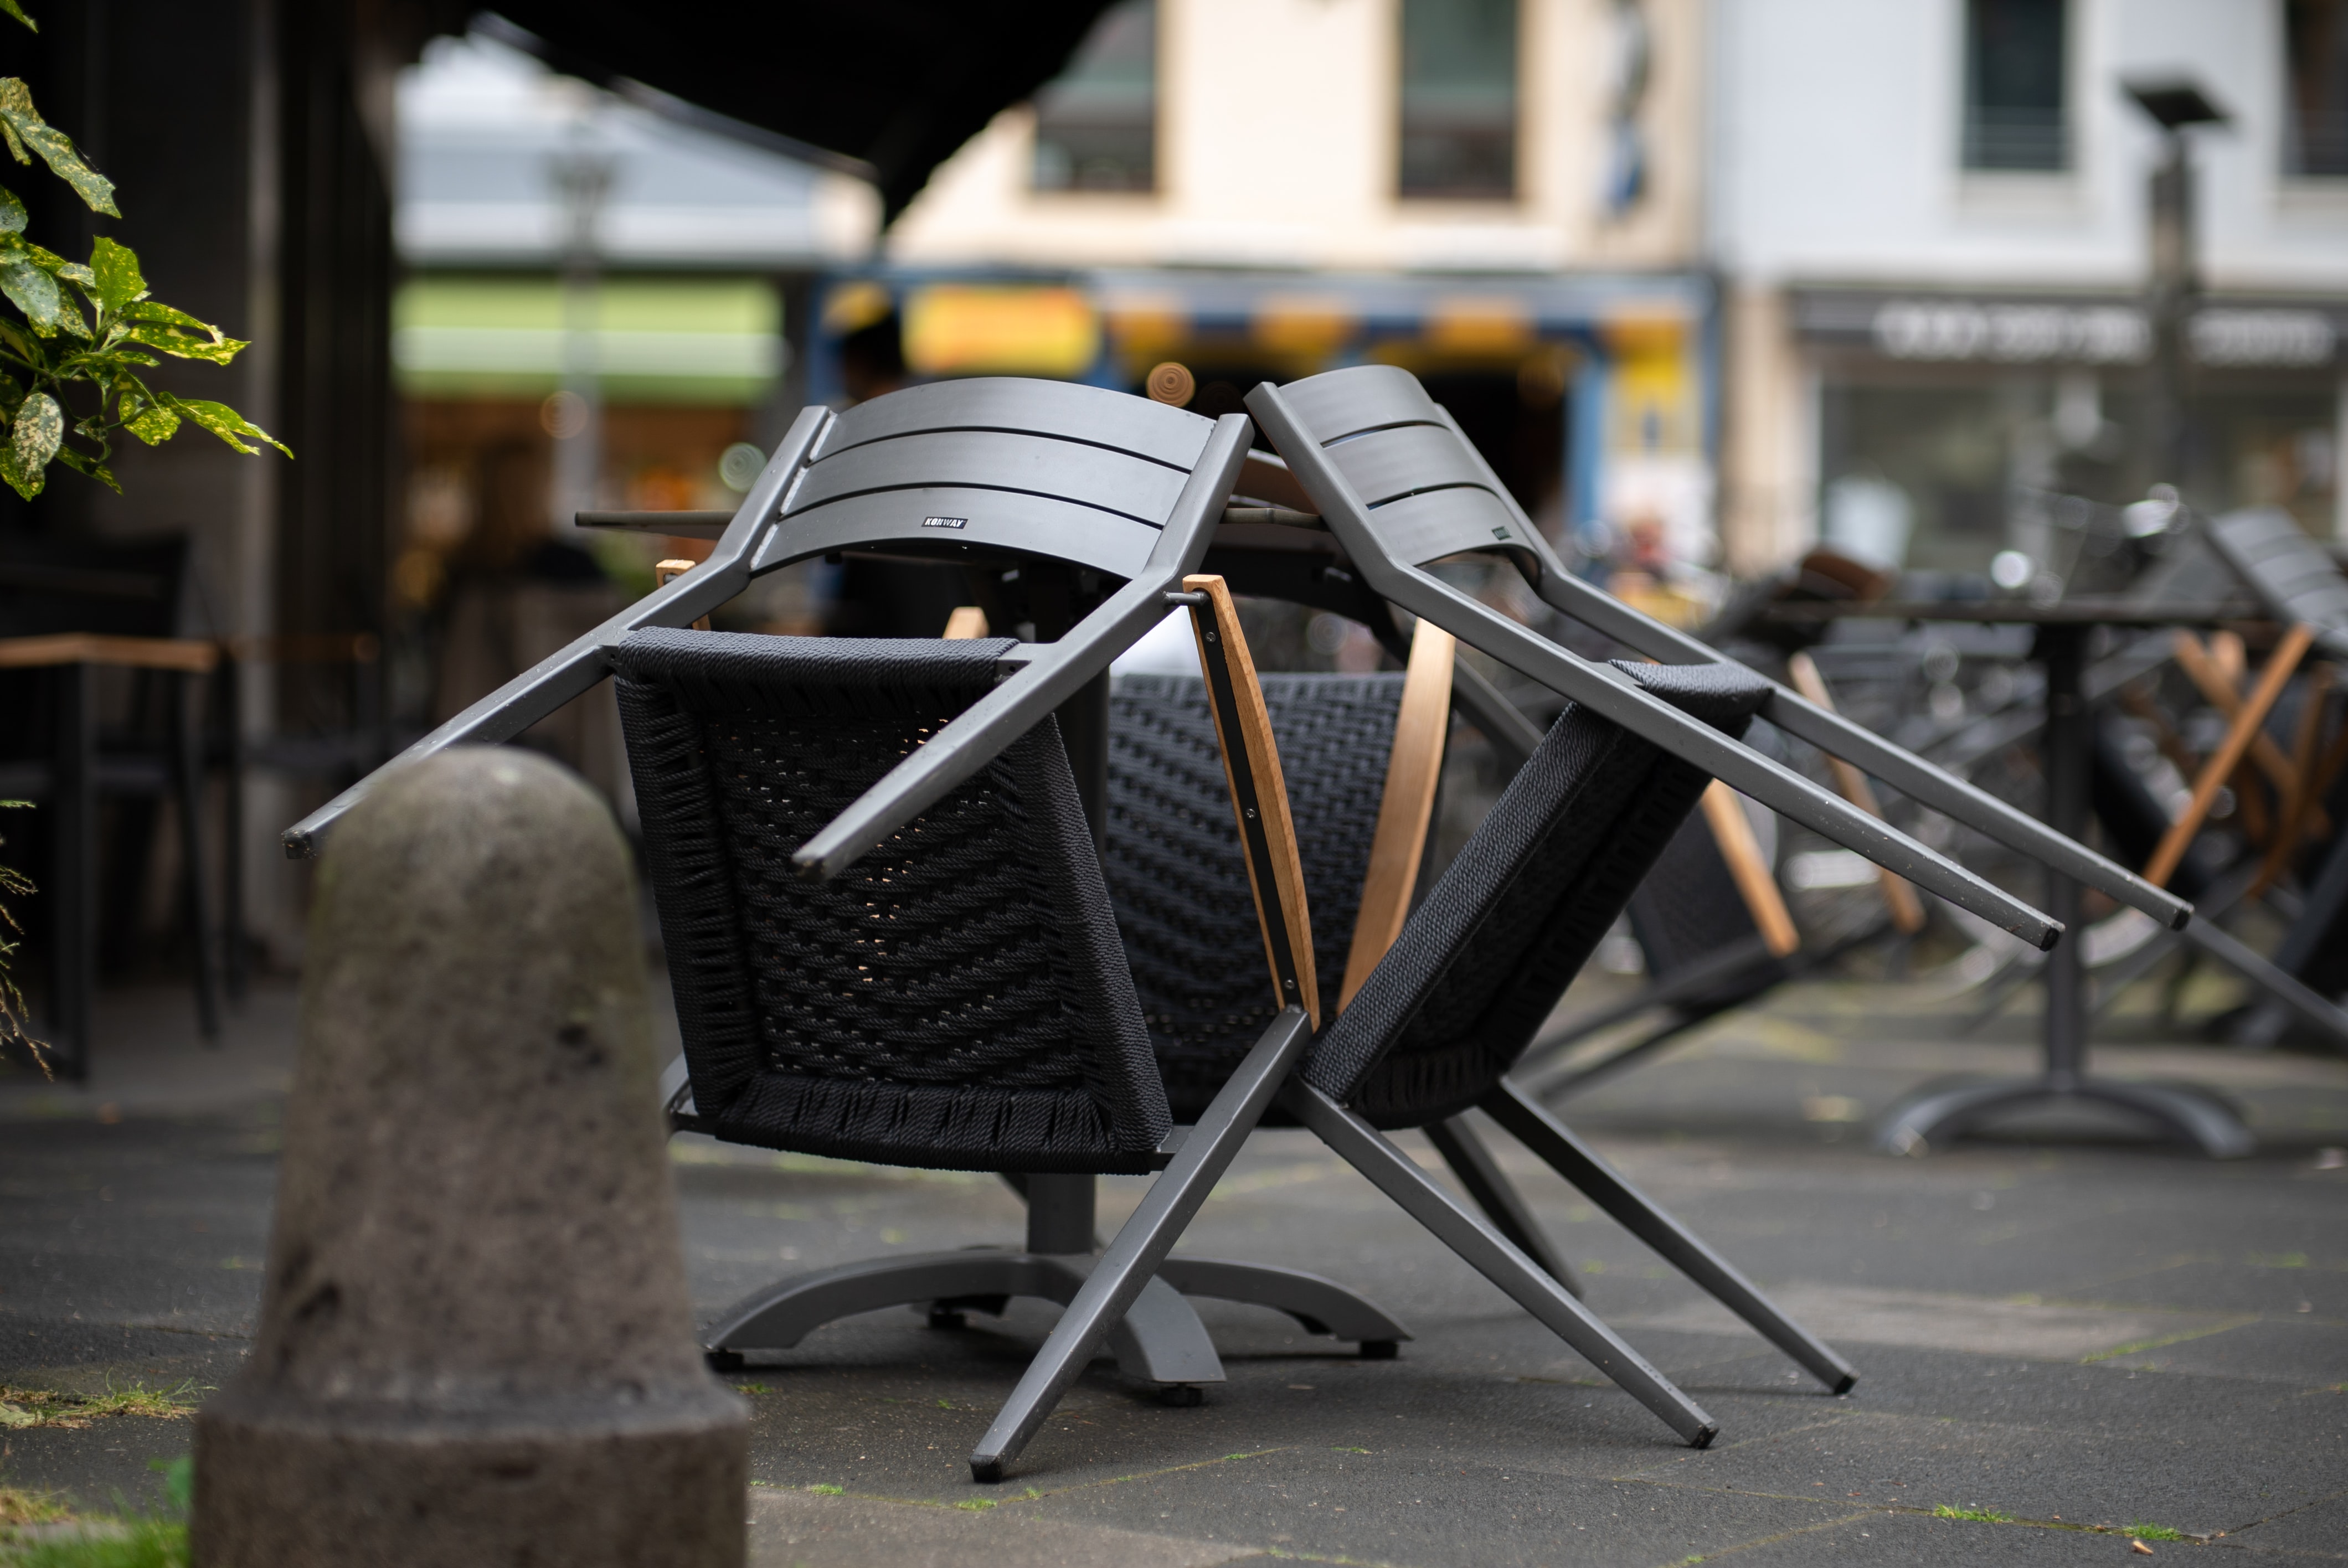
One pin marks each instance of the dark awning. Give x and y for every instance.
(895, 84)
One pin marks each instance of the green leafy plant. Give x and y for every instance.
(14, 883)
(88, 350)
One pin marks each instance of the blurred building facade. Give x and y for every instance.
(1502, 195)
(1930, 220)
(596, 312)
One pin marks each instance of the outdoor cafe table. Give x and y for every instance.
(2192, 1114)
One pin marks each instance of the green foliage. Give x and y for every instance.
(127, 1544)
(2144, 1531)
(15, 884)
(1978, 1515)
(135, 1541)
(90, 327)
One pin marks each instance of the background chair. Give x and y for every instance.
(70, 616)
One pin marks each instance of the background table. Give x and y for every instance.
(2186, 1112)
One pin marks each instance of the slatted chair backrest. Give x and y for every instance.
(1401, 486)
(2295, 578)
(993, 468)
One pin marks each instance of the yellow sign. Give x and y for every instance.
(1310, 324)
(1480, 325)
(978, 329)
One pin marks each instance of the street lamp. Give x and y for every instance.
(2177, 104)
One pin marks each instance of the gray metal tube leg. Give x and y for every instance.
(1492, 1255)
(1545, 1136)
(1132, 1259)
(1498, 1196)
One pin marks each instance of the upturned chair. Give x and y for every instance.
(1372, 458)
(876, 861)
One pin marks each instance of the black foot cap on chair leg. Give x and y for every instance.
(1380, 1349)
(1182, 1396)
(1703, 1439)
(947, 1317)
(1845, 1384)
(986, 1471)
(724, 1361)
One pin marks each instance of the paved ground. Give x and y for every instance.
(2067, 1340)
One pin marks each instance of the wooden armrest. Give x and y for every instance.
(1906, 909)
(1732, 830)
(967, 623)
(2247, 719)
(1414, 767)
(666, 571)
(189, 654)
(1259, 795)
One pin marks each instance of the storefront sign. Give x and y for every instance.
(1955, 329)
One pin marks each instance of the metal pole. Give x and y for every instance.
(2061, 650)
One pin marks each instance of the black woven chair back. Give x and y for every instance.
(1176, 873)
(995, 465)
(1688, 909)
(960, 998)
(1486, 955)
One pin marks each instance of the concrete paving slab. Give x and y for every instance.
(2002, 1301)
(1934, 1320)
(805, 1530)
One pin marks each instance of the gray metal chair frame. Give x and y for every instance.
(1025, 475)
(989, 469)
(1390, 475)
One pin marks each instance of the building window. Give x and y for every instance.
(2014, 68)
(1459, 98)
(2315, 36)
(1097, 122)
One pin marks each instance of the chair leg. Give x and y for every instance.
(1494, 1194)
(1132, 1259)
(1541, 1132)
(1490, 1255)
(188, 764)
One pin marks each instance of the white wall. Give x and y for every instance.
(1276, 149)
(1835, 155)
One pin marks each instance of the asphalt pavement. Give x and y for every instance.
(2069, 1342)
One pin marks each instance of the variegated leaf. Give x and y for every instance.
(114, 278)
(81, 463)
(10, 8)
(25, 129)
(224, 422)
(176, 333)
(40, 426)
(12, 213)
(33, 291)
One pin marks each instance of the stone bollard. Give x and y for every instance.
(476, 1345)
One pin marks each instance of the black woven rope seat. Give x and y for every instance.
(1484, 958)
(1178, 881)
(957, 999)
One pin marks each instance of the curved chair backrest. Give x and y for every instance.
(994, 466)
(2294, 577)
(1400, 486)
(988, 468)
(960, 999)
